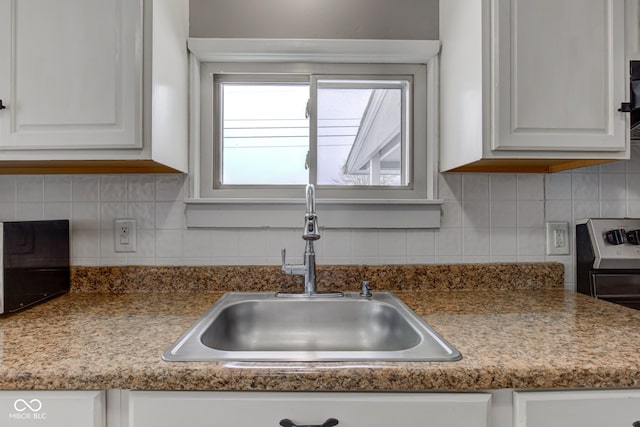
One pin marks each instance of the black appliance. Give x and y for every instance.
(34, 262)
(608, 259)
(633, 106)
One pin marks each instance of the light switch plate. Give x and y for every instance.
(558, 242)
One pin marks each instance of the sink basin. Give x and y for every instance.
(264, 327)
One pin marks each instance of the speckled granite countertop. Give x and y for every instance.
(511, 336)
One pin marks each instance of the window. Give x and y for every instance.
(331, 131)
(361, 132)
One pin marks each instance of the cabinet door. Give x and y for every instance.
(577, 409)
(70, 74)
(240, 409)
(52, 408)
(560, 76)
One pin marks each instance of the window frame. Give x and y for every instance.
(210, 146)
(414, 208)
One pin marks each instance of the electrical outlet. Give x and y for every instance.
(124, 235)
(558, 238)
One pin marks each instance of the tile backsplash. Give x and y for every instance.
(485, 218)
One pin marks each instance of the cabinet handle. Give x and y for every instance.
(636, 424)
(2, 106)
(330, 422)
(625, 107)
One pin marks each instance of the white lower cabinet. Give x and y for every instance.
(611, 408)
(52, 408)
(255, 409)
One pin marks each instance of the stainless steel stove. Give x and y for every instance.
(608, 259)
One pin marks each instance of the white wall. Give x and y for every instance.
(359, 19)
(486, 218)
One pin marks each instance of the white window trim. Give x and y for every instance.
(333, 213)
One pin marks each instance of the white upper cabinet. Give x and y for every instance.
(532, 85)
(78, 82)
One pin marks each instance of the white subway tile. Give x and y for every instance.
(278, 239)
(476, 242)
(504, 214)
(169, 244)
(393, 244)
(451, 216)
(450, 186)
(365, 244)
(504, 242)
(140, 261)
(420, 243)
(613, 209)
(475, 214)
(476, 259)
(169, 215)
(337, 243)
(531, 242)
(144, 213)
(448, 242)
(57, 210)
(30, 211)
(170, 188)
(558, 186)
(585, 186)
(85, 215)
(30, 188)
(85, 244)
(109, 212)
(85, 188)
(141, 188)
(503, 186)
(252, 244)
(7, 188)
(7, 211)
(619, 166)
(613, 186)
(633, 164)
(558, 210)
(421, 260)
(530, 214)
(475, 186)
(224, 243)
(586, 209)
(113, 188)
(530, 186)
(196, 244)
(456, 259)
(633, 186)
(145, 245)
(633, 209)
(57, 188)
(108, 250)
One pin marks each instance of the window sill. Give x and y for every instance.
(314, 50)
(289, 213)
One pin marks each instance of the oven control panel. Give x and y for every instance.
(615, 242)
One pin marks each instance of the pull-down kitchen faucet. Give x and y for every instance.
(310, 233)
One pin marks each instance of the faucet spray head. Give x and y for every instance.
(311, 231)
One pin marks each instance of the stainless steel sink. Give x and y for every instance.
(263, 327)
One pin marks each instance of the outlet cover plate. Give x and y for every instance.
(557, 234)
(124, 235)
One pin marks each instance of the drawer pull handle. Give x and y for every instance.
(2, 106)
(329, 423)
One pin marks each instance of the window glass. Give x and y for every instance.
(265, 134)
(360, 135)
